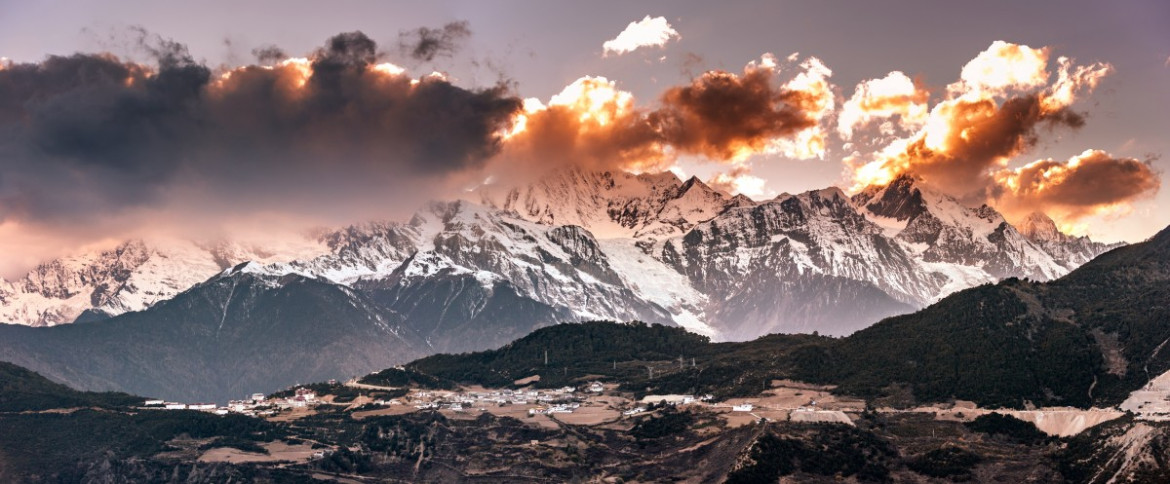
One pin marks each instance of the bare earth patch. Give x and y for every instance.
(277, 452)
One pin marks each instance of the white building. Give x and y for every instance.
(153, 403)
(671, 399)
(743, 407)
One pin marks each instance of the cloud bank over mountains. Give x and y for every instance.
(92, 144)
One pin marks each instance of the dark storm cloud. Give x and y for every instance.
(349, 49)
(166, 52)
(269, 54)
(90, 135)
(424, 43)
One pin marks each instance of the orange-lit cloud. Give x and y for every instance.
(720, 116)
(993, 114)
(590, 124)
(881, 99)
(648, 32)
(726, 116)
(1092, 183)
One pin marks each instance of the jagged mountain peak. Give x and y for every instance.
(611, 204)
(942, 229)
(1039, 227)
(695, 183)
(901, 199)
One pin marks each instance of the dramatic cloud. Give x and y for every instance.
(91, 136)
(725, 116)
(720, 116)
(964, 140)
(648, 32)
(590, 124)
(92, 145)
(424, 43)
(1092, 183)
(1005, 99)
(881, 99)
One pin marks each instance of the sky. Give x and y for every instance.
(220, 117)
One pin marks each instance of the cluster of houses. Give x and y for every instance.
(546, 402)
(162, 404)
(257, 405)
(560, 400)
(676, 399)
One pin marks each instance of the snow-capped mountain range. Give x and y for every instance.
(130, 277)
(608, 245)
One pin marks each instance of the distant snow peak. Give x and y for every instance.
(613, 204)
(129, 277)
(577, 244)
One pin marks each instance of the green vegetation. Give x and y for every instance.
(405, 377)
(35, 442)
(573, 351)
(948, 462)
(826, 450)
(1008, 427)
(644, 358)
(668, 422)
(23, 390)
(984, 344)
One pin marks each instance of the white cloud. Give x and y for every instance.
(648, 32)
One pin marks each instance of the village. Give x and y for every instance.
(589, 404)
(597, 403)
(257, 405)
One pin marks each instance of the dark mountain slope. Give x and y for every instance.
(1088, 338)
(23, 390)
(456, 312)
(984, 344)
(235, 334)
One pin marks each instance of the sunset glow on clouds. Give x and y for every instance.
(96, 142)
(882, 99)
(1005, 100)
(721, 116)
